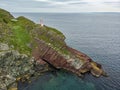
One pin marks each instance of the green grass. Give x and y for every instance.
(21, 31)
(53, 37)
(21, 39)
(55, 30)
(5, 16)
(25, 23)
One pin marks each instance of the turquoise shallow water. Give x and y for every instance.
(97, 35)
(63, 81)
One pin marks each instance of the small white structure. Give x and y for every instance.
(41, 23)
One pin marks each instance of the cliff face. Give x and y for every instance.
(26, 47)
(12, 65)
(17, 67)
(76, 62)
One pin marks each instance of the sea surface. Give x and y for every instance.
(95, 34)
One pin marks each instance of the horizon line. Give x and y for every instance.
(66, 12)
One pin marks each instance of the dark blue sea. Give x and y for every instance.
(95, 34)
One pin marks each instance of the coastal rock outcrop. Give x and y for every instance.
(12, 65)
(76, 62)
(15, 66)
(28, 49)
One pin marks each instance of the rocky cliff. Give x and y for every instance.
(26, 47)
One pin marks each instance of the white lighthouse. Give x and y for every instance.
(41, 23)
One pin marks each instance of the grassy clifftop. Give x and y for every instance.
(5, 16)
(20, 32)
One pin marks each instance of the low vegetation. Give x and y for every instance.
(20, 33)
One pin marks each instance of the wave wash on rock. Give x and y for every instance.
(27, 49)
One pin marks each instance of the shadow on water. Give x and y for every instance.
(59, 80)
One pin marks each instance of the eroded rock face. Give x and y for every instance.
(76, 62)
(12, 65)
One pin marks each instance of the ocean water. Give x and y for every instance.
(97, 35)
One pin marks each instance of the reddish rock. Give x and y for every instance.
(77, 63)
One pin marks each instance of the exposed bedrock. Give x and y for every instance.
(77, 62)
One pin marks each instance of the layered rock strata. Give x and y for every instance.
(77, 62)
